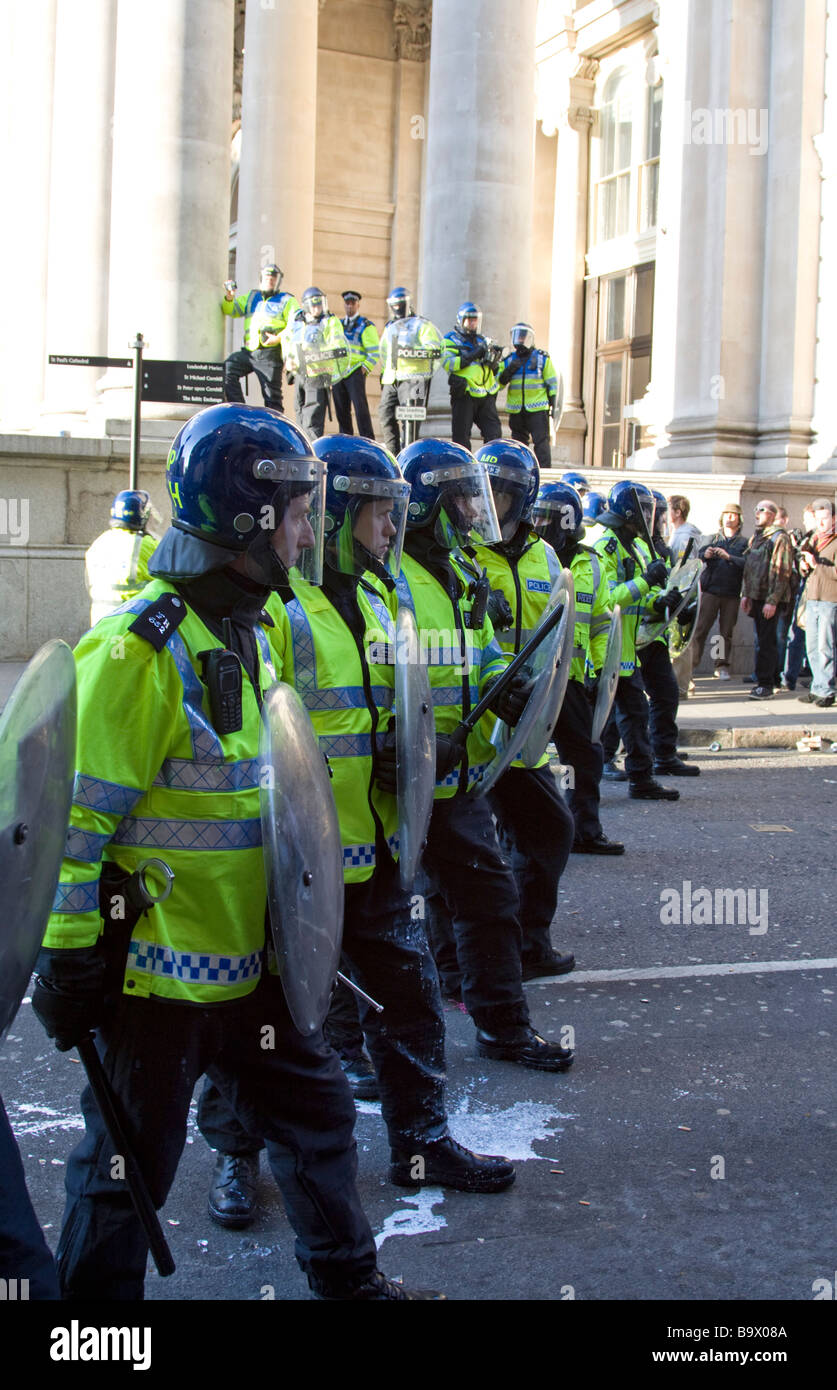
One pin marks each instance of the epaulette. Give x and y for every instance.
(611, 545)
(159, 620)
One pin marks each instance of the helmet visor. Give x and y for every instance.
(371, 535)
(295, 515)
(554, 520)
(471, 322)
(467, 514)
(522, 336)
(315, 306)
(510, 489)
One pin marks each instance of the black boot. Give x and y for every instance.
(444, 1163)
(600, 844)
(613, 773)
(523, 1045)
(233, 1200)
(376, 1289)
(556, 963)
(675, 767)
(360, 1074)
(649, 790)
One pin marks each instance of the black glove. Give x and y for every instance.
(499, 610)
(512, 701)
(666, 603)
(523, 352)
(656, 573)
(449, 751)
(479, 353)
(69, 994)
(385, 763)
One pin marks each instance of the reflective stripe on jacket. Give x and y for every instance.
(272, 312)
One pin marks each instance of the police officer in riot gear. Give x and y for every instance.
(186, 783)
(116, 564)
(471, 362)
(267, 312)
(532, 392)
(316, 360)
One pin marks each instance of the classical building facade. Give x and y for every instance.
(652, 185)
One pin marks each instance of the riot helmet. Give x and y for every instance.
(243, 482)
(576, 480)
(450, 493)
(314, 304)
(592, 504)
(366, 506)
(469, 310)
(557, 515)
(399, 302)
(522, 338)
(272, 269)
(514, 476)
(622, 506)
(130, 510)
(660, 512)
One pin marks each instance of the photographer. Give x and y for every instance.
(471, 362)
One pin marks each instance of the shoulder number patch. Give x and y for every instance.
(159, 620)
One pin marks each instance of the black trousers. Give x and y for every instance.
(266, 363)
(467, 411)
(663, 699)
(538, 828)
(295, 1094)
(471, 883)
(631, 707)
(535, 424)
(385, 945)
(766, 653)
(310, 405)
(576, 749)
(351, 391)
(23, 1251)
(390, 426)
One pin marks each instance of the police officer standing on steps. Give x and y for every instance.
(362, 338)
(532, 380)
(116, 564)
(315, 359)
(266, 312)
(471, 363)
(631, 578)
(186, 988)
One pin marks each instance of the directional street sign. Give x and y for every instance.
(66, 359)
(185, 383)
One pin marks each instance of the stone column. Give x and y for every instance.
(788, 349)
(478, 179)
(412, 47)
(824, 449)
(28, 34)
(714, 305)
(278, 139)
(170, 195)
(79, 221)
(569, 247)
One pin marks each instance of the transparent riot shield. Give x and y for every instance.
(37, 763)
(315, 354)
(683, 628)
(303, 857)
(608, 676)
(415, 746)
(685, 577)
(412, 348)
(550, 669)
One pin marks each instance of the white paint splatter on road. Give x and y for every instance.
(418, 1220)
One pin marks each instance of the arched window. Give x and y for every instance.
(616, 131)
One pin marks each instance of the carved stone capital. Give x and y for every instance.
(586, 68)
(411, 22)
(581, 117)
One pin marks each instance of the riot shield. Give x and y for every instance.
(315, 356)
(608, 676)
(550, 668)
(685, 624)
(303, 857)
(37, 763)
(685, 577)
(412, 347)
(415, 746)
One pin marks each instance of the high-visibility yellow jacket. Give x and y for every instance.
(155, 780)
(461, 660)
(362, 338)
(348, 700)
(272, 312)
(480, 378)
(116, 568)
(532, 381)
(627, 588)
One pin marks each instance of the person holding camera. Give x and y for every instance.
(267, 312)
(471, 363)
(533, 390)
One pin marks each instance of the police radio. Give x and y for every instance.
(223, 678)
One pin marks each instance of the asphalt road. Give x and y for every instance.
(688, 1155)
